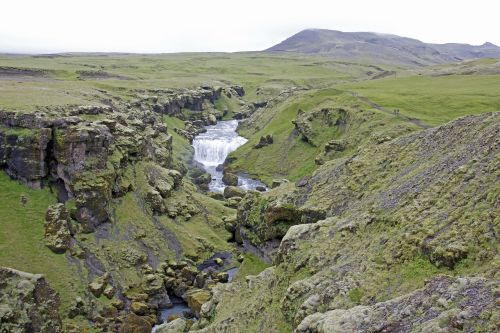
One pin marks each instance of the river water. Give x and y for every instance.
(211, 149)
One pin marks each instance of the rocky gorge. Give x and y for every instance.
(269, 199)
(93, 157)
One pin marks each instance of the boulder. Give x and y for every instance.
(335, 145)
(178, 325)
(261, 188)
(97, 287)
(57, 228)
(265, 140)
(189, 273)
(139, 308)
(27, 303)
(196, 298)
(133, 323)
(223, 277)
(233, 191)
(230, 179)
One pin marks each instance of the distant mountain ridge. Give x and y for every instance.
(381, 48)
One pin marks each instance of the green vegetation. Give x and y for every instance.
(262, 76)
(251, 265)
(292, 157)
(398, 209)
(434, 100)
(21, 238)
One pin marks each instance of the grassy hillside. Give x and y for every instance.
(425, 100)
(22, 244)
(433, 99)
(292, 157)
(28, 82)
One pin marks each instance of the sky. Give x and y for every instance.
(154, 26)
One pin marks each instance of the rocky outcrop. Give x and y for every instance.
(89, 160)
(58, 228)
(445, 304)
(27, 303)
(311, 124)
(23, 152)
(173, 101)
(264, 141)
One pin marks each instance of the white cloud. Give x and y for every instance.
(230, 25)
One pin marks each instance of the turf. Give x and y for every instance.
(434, 100)
(21, 238)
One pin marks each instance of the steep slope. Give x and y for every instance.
(395, 217)
(381, 48)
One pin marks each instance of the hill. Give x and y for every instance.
(381, 48)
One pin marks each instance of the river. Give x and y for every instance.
(212, 148)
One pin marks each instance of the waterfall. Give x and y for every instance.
(212, 148)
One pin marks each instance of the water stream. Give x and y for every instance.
(211, 149)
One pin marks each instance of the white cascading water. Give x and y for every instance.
(211, 149)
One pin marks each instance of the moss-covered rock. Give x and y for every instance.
(58, 229)
(27, 303)
(230, 179)
(133, 323)
(233, 191)
(196, 298)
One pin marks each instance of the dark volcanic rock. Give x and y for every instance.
(27, 303)
(24, 153)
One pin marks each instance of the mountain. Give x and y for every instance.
(381, 48)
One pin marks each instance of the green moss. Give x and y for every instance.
(18, 132)
(355, 295)
(251, 265)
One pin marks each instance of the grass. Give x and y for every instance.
(290, 156)
(434, 100)
(251, 265)
(21, 238)
(62, 85)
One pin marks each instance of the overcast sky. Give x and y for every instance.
(43, 26)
